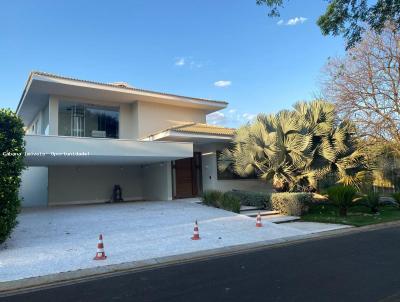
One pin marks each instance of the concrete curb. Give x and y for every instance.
(36, 283)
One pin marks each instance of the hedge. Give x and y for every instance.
(254, 199)
(12, 152)
(294, 204)
(217, 199)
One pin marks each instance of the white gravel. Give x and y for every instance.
(59, 239)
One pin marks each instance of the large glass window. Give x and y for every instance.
(85, 120)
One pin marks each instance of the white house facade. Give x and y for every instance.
(83, 138)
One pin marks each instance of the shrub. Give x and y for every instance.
(254, 199)
(295, 204)
(230, 202)
(396, 197)
(342, 197)
(217, 199)
(371, 200)
(12, 152)
(212, 197)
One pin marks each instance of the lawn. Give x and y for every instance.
(356, 216)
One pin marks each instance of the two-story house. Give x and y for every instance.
(84, 137)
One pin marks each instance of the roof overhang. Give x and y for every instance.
(40, 86)
(178, 136)
(63, 150)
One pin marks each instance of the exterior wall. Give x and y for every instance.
(93, 184)
(126, 123)
(45, 121)
(53, 115)
(153, 117)
(137, 120)
(33, 189)
(40, 124)
(210, 176)
(157, 183)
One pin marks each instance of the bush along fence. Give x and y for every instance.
(12, 152)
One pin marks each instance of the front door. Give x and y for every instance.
(188, 176)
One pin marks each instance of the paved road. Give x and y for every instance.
(357, 267)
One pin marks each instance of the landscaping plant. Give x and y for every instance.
(342, 197)
(254, 199)
(293, 204)
(371, 200)
(230, 202)
(396, 197)
(211, 197)
(12, 151)
(227, 201)
(297, 148)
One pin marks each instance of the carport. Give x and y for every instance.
(75, 170)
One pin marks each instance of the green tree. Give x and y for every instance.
(12, 153)
(297, 148)
(350, 17)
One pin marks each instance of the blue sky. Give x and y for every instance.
(224, 50)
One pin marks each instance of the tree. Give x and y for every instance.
(297, 148)
(350, 17)
(365, 83)
(12, 152)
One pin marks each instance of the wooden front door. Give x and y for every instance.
(188, 177)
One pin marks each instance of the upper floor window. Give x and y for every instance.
(85, 120)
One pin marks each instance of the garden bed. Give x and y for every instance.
(356, 216)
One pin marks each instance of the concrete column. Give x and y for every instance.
(157, 181)
(53, 115)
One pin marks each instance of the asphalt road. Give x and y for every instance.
(357, 267)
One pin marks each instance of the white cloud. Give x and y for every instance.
(280, 22)
(222, 83)
(188, 62)
(296, 20)
(230, 118)
(215, 117)
(194, 64)
(248, 116)
(180, 61)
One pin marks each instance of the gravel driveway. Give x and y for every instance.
(59, 239)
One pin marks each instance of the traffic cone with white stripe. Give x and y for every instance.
(196, 235)
(258, 221)
(100, 255)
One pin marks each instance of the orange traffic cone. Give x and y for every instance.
(100, 255)
(196, 235)
(258, 220)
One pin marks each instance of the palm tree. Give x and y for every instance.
(296, 148)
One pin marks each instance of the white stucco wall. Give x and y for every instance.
(153, 117)
(92, 184)
(33, 190)
(126, 123)
(210, 176)
(157, 182)
(53, 115)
